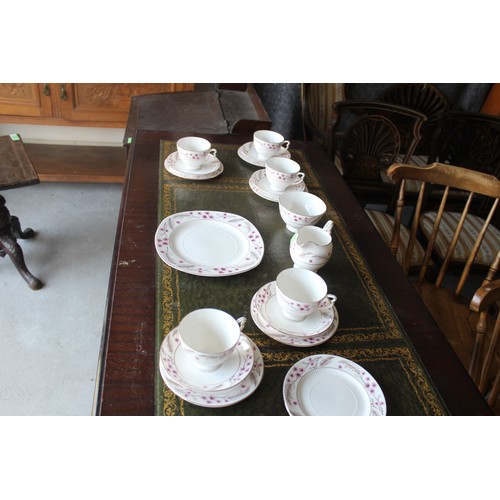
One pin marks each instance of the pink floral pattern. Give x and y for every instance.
(227, 397)
(323, 331)
(298, 370)
(167, 254)
(248, 153)
(167, 355)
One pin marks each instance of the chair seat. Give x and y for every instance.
(470, 231)
(384, 224)
(456, 320)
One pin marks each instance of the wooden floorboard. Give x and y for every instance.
(67, 163)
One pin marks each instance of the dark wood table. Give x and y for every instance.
(126, 384)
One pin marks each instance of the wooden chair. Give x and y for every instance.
(424, 98)
(313, 104)
(365, 138)
(449, 245)
(485, 301)
(470, 140)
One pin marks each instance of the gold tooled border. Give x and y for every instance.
(172, 405)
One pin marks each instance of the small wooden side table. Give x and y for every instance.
(16, 170)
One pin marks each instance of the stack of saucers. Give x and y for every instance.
(316, 328)
(236, 379)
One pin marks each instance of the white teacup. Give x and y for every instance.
(300, 208)
(268, 143)
(209, 337)
(194, 151)
(300, 292)
(282, 173)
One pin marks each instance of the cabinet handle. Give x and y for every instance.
(64, 96)
(46, 89)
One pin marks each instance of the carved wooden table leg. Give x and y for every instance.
(10, 230)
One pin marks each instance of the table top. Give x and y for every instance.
(16, 169)
(221, 111)
(129, 381)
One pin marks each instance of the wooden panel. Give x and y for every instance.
(79, 104)
(107, 102)
(24, 99)
(60, 163)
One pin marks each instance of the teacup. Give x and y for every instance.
(194, 151)
(209, 336)
(268, 143)
(300, 208)
(282, 173)
(300, 292)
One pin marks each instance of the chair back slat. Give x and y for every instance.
(494, 266)
(414, 231)
(493, 270)
(432, 237)
(397, 221)
(454, 241)
(438, 175)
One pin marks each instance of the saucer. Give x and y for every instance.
(260, 185)
(179, 368)
(329, 385)
(247, 152)
(226, 397)
(210, 169)
(315, 329)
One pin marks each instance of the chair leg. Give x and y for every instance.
(10, 230)
(17, 232)
(10, 247)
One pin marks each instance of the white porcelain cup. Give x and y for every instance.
(268, 143)
(209, 336)
(282, 173)
(194, 151)
(300, 208)
(301, 292)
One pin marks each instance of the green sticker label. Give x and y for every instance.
(129, 141)
(14, 137)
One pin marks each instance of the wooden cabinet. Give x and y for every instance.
(79, 104)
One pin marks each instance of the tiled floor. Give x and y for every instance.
(50, 338)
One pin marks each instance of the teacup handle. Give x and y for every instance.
(285, 144)
(328, 301)
(212, 151)
(241, 322)
(328, 226)
(299, 179)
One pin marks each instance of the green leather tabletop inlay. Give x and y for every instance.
(368, 333)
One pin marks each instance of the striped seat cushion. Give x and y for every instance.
(384, 224)
(472, 226)
(410, 185)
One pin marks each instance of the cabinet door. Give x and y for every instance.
(25, 99)
(103, 103)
